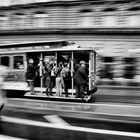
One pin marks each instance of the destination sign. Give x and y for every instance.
(24, 48)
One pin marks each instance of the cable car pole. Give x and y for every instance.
(41, 78)
(72, 57)
(89, 76)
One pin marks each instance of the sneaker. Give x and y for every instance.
(32, 93)
(87, 98)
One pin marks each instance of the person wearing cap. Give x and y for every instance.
(81, 80)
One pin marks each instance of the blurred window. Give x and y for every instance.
(108, 59)
(85, 18)
(40, 20)
(134, 21)
(5, 60)
(97, 21)
(129, 68)
(110, 9)
(122, 20)
(18, 20)
(18, 62)
(106, 70)
(109, 21)
(3, 22)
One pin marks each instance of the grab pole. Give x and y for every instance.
(40, 71)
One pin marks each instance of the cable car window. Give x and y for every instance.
(18, 62)
(129, 60)
(129, 67)
(106, 71)
(5, 60)
(108, 59)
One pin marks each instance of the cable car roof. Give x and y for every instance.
(41, 46)
(28, 43)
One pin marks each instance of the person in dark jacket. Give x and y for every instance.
(31, 74)
(47, 76)
(81, 80)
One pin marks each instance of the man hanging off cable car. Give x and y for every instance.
(81, 80)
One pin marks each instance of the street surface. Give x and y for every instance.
(46, 120)
(115, 94)
(35, 127)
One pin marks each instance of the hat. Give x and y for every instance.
(82, 62)
(31, 60)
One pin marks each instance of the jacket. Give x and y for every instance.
(81, 76)
(31, 72)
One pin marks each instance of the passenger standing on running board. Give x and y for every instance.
(66, 78)
(47, 76)
(53, 76)
(81, 80)
(3, 73)
(31, 74)
(59, 79)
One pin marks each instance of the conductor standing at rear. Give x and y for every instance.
(81, 80)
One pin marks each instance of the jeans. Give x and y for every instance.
(31, 85)
(58, 86)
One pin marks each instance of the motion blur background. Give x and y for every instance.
(111, 27)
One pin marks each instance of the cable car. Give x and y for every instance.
(15, 56)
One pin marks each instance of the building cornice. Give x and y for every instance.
(67, 3)
(101, 31)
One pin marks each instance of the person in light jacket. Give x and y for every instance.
(59, 81)
(66, 78)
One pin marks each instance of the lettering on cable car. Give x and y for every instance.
(25, 48)
(12, 49)
(38, 47)
(46, 47)
(22, 48)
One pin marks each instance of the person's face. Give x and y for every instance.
(83, 65)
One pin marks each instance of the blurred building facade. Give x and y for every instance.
(111, 27)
